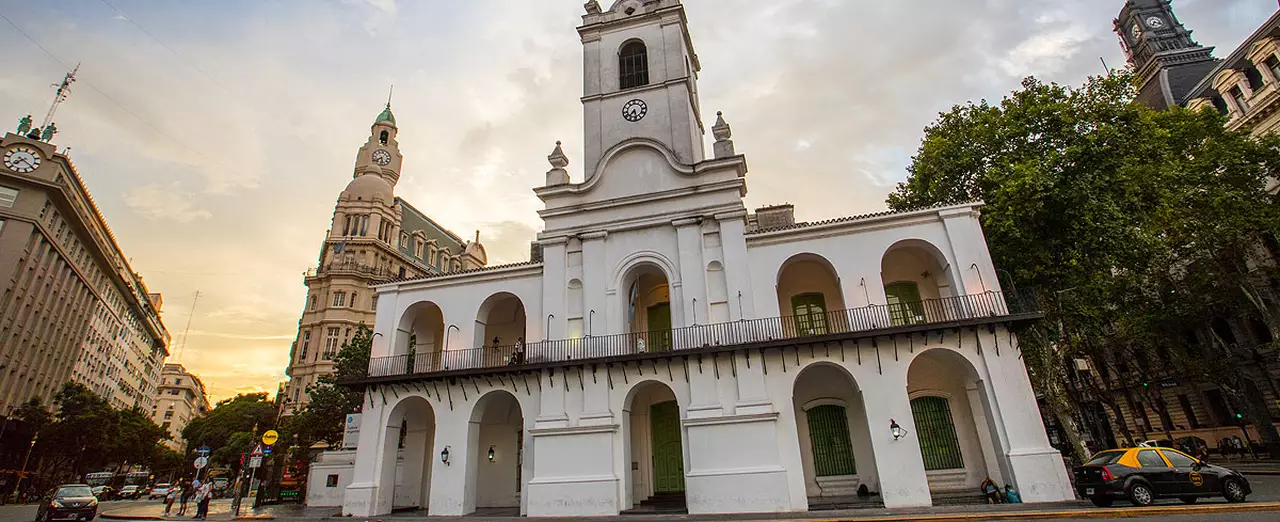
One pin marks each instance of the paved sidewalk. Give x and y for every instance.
(220, 511)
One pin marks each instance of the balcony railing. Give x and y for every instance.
(353, 268)
(987, 305)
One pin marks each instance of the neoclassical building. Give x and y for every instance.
(375, 236)
(668, 346)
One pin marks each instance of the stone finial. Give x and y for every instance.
(723, 147)
(557, 175)
(592, 7)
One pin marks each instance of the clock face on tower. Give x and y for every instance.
(1137, 30)
(381, 157)
(634, 110)
(1155, 22)
(21, 159)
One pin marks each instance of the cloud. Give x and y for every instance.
(164, 202)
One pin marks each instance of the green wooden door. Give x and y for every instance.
(810, 311)
(659, 317)
(937, 433)
(668, 458)
(829, 436)
(904, 303)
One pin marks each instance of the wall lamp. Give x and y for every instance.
(444, 455)
(897, 431)
(490, 453)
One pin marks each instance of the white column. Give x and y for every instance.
(553, 289)
(692, 270)
(901, 467)
(368, 481)
(385, 336)
(752, 395)
(552, 400)
(595, 283)
(737, 268)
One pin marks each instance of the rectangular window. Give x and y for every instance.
(168, 415)
(1188, 411)
(373, 303)
(313, 303)
(339, 299)
(331, 343)
(306, 345)
(331, 481)
(353, 299)
(1238, 96)
(8, 197)
(1273, 63)
(1, 225)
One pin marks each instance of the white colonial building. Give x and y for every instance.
(667, 345)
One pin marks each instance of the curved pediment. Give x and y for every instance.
(636, 166)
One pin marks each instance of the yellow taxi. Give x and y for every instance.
(1143, 475)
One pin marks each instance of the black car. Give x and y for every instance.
(1144, 474)
(69, 502)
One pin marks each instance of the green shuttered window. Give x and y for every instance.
(829, 435)
(937, 434)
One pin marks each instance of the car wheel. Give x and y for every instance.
(1103, 501)
(1233, 490)
(1188, 500)
(1140, 494)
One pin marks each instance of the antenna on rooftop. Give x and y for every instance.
(64, 89)
(192, 313)
(389, 92)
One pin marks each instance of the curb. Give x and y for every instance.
(1134, 512)
(1261, 472)
(112, 516)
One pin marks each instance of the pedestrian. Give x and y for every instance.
(185, 491)
(169, 498)
(204, 494)
(1237, 445)
(991, 491)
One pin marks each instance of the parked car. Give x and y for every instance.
(1145, 474)
(159, 491)
(130, 492)
(104, 492)
(69, 502)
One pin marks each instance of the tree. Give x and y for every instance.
(228, 428)
(1140, 222)
(329, 402)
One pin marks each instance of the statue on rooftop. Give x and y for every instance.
(24, 125)
(49, 131)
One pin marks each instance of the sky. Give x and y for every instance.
(216, 136)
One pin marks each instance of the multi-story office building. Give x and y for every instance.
(71, 307)
(179, 398)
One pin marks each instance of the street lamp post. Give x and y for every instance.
(23, 473)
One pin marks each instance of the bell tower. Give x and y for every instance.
(382, 150)
(1158, 46)
(640, 79)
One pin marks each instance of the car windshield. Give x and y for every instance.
(1104, 458)
(74, 492)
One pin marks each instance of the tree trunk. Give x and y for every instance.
(1060, 405)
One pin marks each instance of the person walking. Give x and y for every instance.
(169, 498)
(185, 491)
(204, 494)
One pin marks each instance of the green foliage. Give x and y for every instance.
(1143, 226)
(87, 434)
(228, 428)
(330, 402)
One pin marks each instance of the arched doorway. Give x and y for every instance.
(654, 448)
(917, 278)
(953, 428)
(407, 446)
(809, 296)
(648, 308)
(831, 427)
(421, 336)
(500, 329)
(495, 474)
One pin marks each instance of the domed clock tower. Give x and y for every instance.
(374, 237)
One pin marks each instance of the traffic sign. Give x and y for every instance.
(266, 450)
(257, 451)
(255, 462)
(201, 462)
(270, 437)
(204, 451)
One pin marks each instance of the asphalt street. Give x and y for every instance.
(1265, 489)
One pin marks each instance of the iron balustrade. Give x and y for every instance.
(989, 304)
